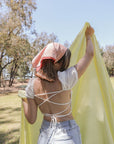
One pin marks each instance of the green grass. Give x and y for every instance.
(10, 115)
(10, 112)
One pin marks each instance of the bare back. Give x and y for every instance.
(42, 86)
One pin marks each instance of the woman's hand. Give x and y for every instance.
(89, 32)
(89, 45)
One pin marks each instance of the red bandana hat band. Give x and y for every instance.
(54, 51)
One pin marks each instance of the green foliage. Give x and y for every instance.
(22, 9)
(108, 57)
(15, 50)
(14, 44)
(23, 70)
(43, 39)
(101, 51)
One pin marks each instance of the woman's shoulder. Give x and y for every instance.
(29, 89)
(32, 81)
(68, 78)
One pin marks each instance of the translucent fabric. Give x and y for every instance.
(92, 100)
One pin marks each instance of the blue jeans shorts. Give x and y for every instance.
(66, 132)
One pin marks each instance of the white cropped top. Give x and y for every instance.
(68, 79)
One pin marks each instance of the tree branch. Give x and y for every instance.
(7, 64)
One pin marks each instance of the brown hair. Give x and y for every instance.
(48, 65)
(65, 60)
(48, 68)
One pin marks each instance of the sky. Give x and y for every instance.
(65, 18)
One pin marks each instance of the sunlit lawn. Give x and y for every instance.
(9, 119)
(10, 113)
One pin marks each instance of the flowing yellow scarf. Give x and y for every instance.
(92, 100)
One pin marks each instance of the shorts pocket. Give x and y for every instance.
(73, 134)
(61, 136)
(64, 134)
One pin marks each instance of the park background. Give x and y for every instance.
(26, 26)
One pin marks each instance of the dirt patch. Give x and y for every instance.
(13, 89)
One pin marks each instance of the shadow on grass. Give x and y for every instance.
(6, 108)
(10, 109)
(6, 137)
(9, 134)
(5, 121)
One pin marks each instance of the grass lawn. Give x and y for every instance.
(10, 112)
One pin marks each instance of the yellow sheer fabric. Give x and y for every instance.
(92, 100)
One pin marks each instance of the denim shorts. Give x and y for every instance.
(66, 132)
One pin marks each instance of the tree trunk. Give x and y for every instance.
(13, 73)
(2, 68)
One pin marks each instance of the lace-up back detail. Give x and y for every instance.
(68, 79)
(59, 114)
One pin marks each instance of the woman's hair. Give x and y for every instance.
(48, 65)
(65, 60)
(48, 68)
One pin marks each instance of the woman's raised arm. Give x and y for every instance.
(83, 63)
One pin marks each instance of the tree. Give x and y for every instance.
(43, 39)
(101, 51)
(108, 57)
(12, 31)
(23, 70)
(23, 50)
(67, 44)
